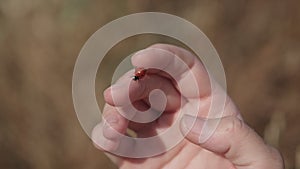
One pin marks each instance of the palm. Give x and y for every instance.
(183, 155)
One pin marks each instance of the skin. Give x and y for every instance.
(234, 145)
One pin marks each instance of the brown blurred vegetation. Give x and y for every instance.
(258, 42)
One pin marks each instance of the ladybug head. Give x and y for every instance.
(135, 78)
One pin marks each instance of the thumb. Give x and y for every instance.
(233, 139)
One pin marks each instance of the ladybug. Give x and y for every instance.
(139, 74)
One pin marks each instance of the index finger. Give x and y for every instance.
(183, 67)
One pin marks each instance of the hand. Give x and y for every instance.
(233, 144)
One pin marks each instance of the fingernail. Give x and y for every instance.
(203, 128)
(137, 53)
(101, 142)
(116, 86)
(111, 119)
(112, 88)
(111, 145)
(109, 127)
(208, 129)
(192, 124)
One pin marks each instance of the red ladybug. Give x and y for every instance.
(139, 74)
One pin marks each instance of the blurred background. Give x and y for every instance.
(258, 42)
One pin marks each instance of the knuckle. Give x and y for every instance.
(234, 125)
